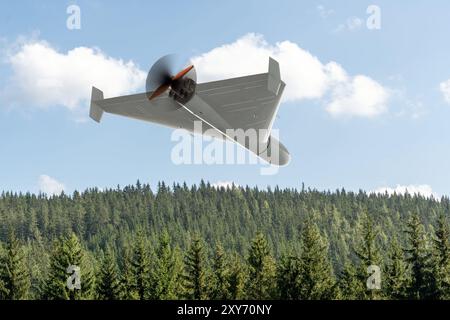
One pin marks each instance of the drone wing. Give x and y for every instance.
(161, 110)
(249, 102)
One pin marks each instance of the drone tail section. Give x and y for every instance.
(274, 82)
(96, 111)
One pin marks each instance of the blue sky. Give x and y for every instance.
(408, 144)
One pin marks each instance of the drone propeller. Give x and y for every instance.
(160, 77)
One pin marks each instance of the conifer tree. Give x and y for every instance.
(14, 275)
(315, 281)
(165, 275)
(109, 286)
(350, 285)
(288, 272)
(368, 253)
(441, 258)
(221, 273)
(68, 264)
(127, 280)
(196, 274)
(237, 278)
(418, 258)
(262, 270)
(396, 274)
(140, 266)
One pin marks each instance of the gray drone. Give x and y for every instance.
(177, 101)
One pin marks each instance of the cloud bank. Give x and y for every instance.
(43, 77)
(305, 75)
(422, 189)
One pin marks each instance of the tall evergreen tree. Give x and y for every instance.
(196, 274)
(140, 265)
(418, 258)
(262, 270)
(109, 286)
(441, 258)
(127, 279)
(68, 263)
(165, 275)
(396, 274)
(221, 273)
(288, 272)
(237, 277)
(368, 253)
(14, 276)
(350, 285)
(315, 281)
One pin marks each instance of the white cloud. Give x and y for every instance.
(359, 96)
(445, 89)
(352, 24)
(422, 189)
(305, 75)
(224, 184)
(45, 77)
(324, 12)
(50, 186)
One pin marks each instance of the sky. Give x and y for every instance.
(366, 104)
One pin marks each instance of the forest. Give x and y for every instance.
(203, 242)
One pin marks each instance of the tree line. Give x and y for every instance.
(216, 243)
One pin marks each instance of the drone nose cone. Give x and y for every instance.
(276, 153)
(285, 157)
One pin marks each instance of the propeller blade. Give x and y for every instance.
(159, 91)
(182, 73)
(159, 74)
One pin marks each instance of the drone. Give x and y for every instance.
(178, 101)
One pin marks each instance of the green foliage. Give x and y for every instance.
(196, 271)
(418, 257)
(140, 266)
(367, 253)
(311, 244)
(315, 279)
(350, 285)
(66, 256)
(220, 288)
(109, 286)
(288, 273)
(165, 274)
(237, 278)
(396, 273)
(441, 258)
(262, 270)
(14, 276)
(128, 280)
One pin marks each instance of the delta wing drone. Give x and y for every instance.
(231, 105)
